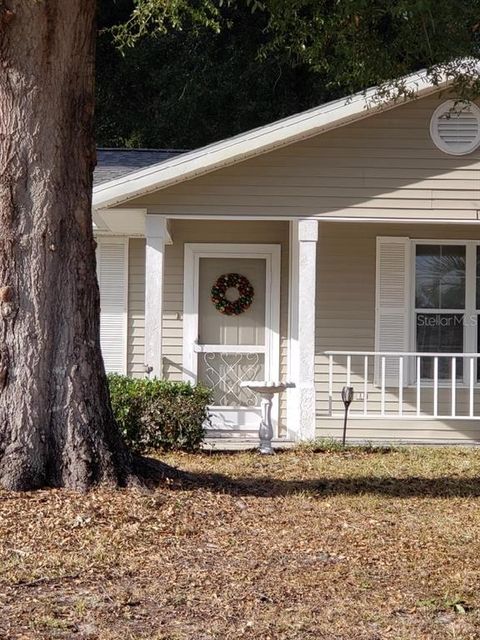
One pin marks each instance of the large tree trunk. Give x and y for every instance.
(56, 425)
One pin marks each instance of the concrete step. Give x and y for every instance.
(241, 444)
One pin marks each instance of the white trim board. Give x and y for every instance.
(258, 141)
(292, 330)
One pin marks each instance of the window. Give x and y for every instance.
(440, 304)
(427, 300)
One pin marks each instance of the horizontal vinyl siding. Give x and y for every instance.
(172, 348)
(136, 308)
(398, 431)
(345, 320)
(384, 165)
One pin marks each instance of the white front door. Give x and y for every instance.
(222, 350)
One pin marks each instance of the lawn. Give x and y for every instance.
(301, 545)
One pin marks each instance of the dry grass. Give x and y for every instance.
(301, 545)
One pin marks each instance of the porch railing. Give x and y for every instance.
(407, 385)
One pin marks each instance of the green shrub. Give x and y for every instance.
(156, 414)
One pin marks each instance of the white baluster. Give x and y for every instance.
(454, 386)
(400, 386)
(382, 402)
(419, 385)
(471, 385)
(349, 369)
(365, 386)
(435, 386)
(330, 385)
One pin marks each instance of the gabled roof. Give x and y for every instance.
(116, 163)
(257, 141)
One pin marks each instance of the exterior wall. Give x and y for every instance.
(345, 320)
(383, 166)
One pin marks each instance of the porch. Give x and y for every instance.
(397, 319)
(386, 307)
(339, 285)
(196, 342)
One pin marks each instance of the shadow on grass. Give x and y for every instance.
(408, 487)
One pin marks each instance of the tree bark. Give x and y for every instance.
(56, 424)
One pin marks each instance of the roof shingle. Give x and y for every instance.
(115, 163)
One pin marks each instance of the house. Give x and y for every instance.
(351, 233)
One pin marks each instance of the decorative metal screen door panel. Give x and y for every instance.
(231, 348)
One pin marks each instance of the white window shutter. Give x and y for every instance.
(392, 306)
(112, 272)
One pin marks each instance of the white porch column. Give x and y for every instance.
(157, 236)
(301, 400)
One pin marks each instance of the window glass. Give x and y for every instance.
(440, 276)
(437, 333)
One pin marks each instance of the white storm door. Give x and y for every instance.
(222, 351)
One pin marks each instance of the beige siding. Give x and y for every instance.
(398, 431)
(384, 165)
(136, 308)
(346, 321)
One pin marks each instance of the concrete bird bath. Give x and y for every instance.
(266, 390)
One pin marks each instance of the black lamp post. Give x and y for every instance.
(347, 398)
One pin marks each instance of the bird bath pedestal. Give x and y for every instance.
(266, 390)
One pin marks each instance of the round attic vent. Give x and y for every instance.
(455, 127)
